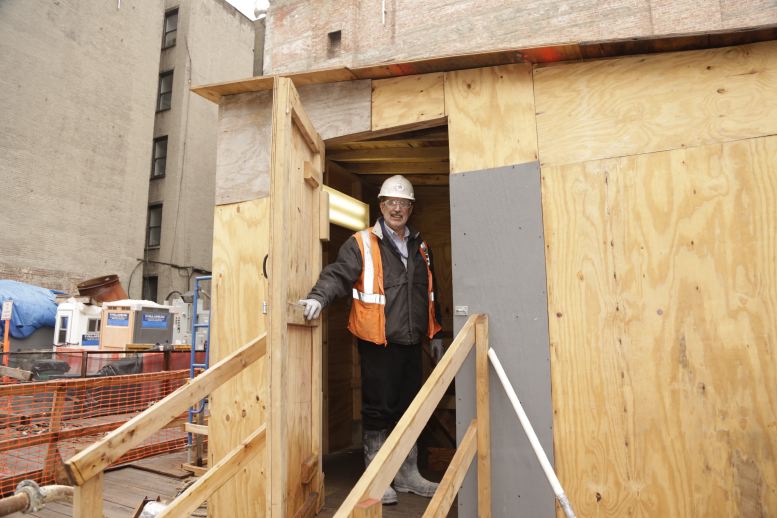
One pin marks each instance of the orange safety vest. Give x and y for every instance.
(368, 317)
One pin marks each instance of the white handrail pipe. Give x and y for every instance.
(535, 442)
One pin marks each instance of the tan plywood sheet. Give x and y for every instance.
(491, 120)
(620, 107)
(406, 100)
(662, 291)
(241, 240)
(243, 160)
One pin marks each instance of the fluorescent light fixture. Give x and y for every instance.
(346, 211)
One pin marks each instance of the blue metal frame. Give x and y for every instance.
(193, 365)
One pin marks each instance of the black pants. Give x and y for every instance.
(391, 378)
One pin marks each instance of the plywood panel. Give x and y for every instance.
(406, 100)
(662, 289)
(243, 164)
(241, 240)
(491, 120)
(243, 161)
(620, 107)
(338, 109)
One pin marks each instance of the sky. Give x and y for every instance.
(247, 6)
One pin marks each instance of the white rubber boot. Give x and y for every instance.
(409, 480)
(373, 440)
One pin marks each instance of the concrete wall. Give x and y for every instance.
(297, 30)
(79, 86)
(214, 43)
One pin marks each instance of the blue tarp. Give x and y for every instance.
(33, 307)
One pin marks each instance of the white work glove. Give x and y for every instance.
(436, 348)
(312, 308)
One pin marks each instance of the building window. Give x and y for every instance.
(165, 94)
(64, 321)
(171, 29)
(154, 230)
(150, 286)
(93, 325)
(159, 163)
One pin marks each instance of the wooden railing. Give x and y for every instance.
(85, 469)
(364, 499)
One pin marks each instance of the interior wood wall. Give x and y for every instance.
(660, 211)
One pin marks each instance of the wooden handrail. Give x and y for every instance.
(188, 501)
(454, 475)
(94, 459)
(385, 465)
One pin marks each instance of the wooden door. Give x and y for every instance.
(298, 222)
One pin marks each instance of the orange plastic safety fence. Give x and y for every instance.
(43, 422)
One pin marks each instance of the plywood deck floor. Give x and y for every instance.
(162, 477)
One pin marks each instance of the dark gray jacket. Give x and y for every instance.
(406, 289)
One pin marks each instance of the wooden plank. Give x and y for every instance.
(197, 471)
(308, 509)
(239, 406)
(408, 99)
(199, 429)
(393, 154)
(294, 431)
(491, 120)
(188, 501)
(101, 454)
(18, 374)
(440, 167)
(88, 498)
(661, 289)
(451, 482)
(87, 463)
(323, 222)
(482, 402)
(370, 508)
(385, 465)
(295, 316)
(603, 109)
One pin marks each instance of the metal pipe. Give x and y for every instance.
(30, 497)
(535, 442)
(14, 504)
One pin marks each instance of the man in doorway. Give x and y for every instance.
(387, 269)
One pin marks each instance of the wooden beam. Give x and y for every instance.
(389, 168)
(433, 180)
(385, 465)
(370, 508)
(101, 454)
(188, 501)
(483, 417)
(88, 498)
(392, 154)
(309, 469)
(199, 429)
(454, 475)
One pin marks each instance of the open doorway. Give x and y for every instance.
(358, 167)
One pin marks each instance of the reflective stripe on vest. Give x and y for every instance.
(367, 319)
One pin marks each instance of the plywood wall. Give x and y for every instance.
(491, 121)
(662, 282)
(238, 407)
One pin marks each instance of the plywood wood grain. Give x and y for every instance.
(609, 108)
(491, 120)
(294, 432)
(407, 100)
(238, 408)
(338, 109)
(662, 291)
(243, 160)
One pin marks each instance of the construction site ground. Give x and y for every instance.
(162, 477)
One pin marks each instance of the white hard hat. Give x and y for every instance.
(397, 187)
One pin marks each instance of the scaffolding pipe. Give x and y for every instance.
(535, 442)
(30, 497)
